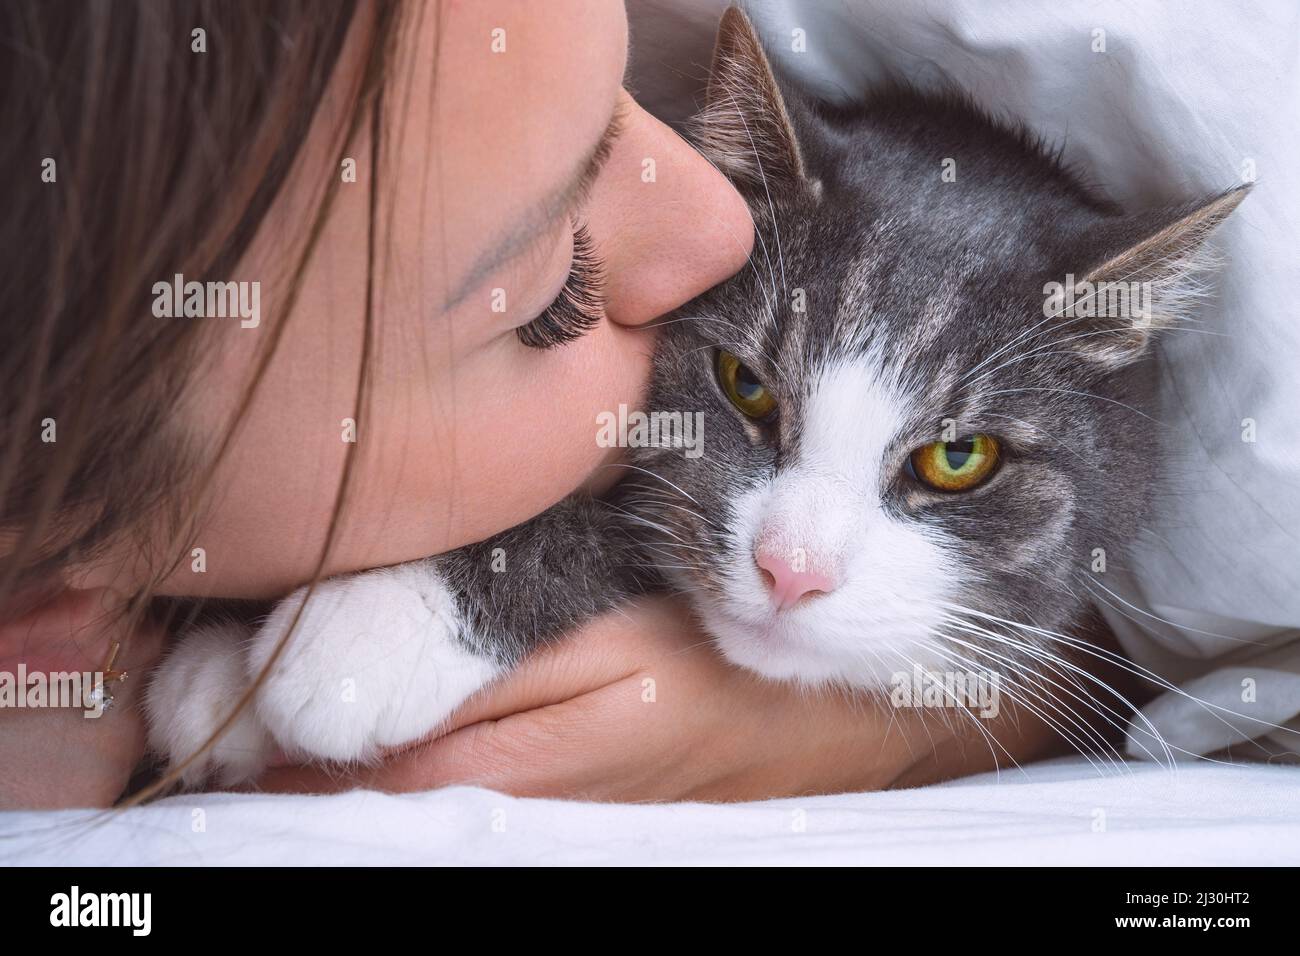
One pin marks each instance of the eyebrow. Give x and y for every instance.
(544, 214)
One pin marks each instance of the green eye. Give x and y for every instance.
(956, 465)
(743, 388)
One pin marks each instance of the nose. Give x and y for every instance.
(667, 224)
(788, 584)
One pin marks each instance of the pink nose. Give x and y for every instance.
(787, 585)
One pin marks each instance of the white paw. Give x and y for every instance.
(194, 689)
(374, 662)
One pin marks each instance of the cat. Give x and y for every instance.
(910, 446)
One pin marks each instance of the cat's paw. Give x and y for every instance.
(375, 662)
(192, 691)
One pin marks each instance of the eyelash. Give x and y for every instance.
(578, 307)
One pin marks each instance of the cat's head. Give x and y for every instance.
(901, 445)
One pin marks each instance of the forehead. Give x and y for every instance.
(902, 289)
(852, 411)
(484, 134)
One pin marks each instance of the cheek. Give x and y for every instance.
(1023, 526)
(516, 429)
(452, 447)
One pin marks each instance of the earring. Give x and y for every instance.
(101, 695)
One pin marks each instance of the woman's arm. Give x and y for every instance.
(635, 706)
(638, 706)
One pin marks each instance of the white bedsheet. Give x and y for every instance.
(1062, 812)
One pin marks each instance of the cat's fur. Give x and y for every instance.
(923, 301)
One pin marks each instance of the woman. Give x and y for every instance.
(404, 184)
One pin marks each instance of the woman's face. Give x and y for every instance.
(491, 140)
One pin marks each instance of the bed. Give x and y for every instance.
(1180, 99)
(1067, 811)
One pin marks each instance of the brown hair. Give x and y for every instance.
(133, 157)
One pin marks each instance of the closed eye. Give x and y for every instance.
(580, 304)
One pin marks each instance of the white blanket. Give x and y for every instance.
(1055, 813)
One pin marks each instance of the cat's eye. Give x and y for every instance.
(956, 465)
(742, 387)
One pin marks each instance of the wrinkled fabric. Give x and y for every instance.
(1054, 813)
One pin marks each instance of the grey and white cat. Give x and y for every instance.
(904, 449)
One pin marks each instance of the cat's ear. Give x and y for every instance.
(745, 128)
(1150, 272)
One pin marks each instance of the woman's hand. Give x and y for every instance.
(56, 756)
(638, 706)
